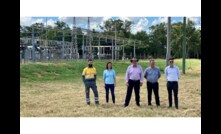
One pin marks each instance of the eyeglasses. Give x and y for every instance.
(171, 61)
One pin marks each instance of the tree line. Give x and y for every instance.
(153, 43)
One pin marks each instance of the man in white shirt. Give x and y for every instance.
(172, 75)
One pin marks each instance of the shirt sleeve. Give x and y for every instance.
(84, 72)
(178, 72)
(165, 71)
(104, 75)
(114, 74)
(127, 74)
(145, 73)
(159, 74)
(95, 71)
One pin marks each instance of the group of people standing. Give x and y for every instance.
(134, 80)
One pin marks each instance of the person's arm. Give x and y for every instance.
(83, 76)
(114, 79)
(159, 74)
(141, 76)
(178, 72)
(104, 78)
(95, 74)
(127, 76)
(165, 72)
(145, 73)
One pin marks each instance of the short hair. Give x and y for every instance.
(134, 59)
(151, 59)
(171, 58)
(107, 65)
(89, 60)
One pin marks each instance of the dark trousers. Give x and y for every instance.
(136, 86)
(172, 86)
(93, 86)
(111, 87)
(155, 88)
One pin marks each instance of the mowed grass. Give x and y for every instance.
(56, 90)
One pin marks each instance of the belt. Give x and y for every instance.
(134, 80)
(172, 81)
(89, 80)
(151, 82)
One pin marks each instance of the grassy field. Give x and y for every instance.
(56, 90)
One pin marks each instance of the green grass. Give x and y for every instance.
(70, 70)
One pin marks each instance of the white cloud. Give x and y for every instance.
(27, 21)
(83, 21)
(140, 25)
(194, 19)
(159, 20)
(124, 18)
(51, 22)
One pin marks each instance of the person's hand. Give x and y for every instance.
(115, 85)
(141, 83)
(127, 84)
(104, 85)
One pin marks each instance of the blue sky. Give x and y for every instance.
(140, 23)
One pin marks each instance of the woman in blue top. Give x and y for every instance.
(109, 77)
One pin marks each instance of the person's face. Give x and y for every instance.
(90, 62)
(171, 62)
(134, 62)
(152, 63)
(109, 65)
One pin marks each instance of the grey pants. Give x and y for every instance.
(93, 86)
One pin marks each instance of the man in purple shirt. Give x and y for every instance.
(134, 79)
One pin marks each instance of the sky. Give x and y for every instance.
(140, 23)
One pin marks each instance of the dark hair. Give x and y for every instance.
(171, 58)
(134, 58)
(107, 65)
(151, 59)
(89, 60)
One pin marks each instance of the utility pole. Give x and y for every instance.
(62, 44)
(134, 50)
(123, 50)
(184, 45)
(46, 37)
(75, 39)
(115, 46)
(33, 45)
(89, 37)
(99, 49)
(83, 46)
(168, 55)
(112, 49)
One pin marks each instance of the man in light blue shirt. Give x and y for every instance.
(152, 74)
(172, 75)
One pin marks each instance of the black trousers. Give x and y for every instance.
(111, 87)
(136, 86)
(155, 88)
(172, 86)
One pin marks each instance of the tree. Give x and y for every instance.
(157, 40)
